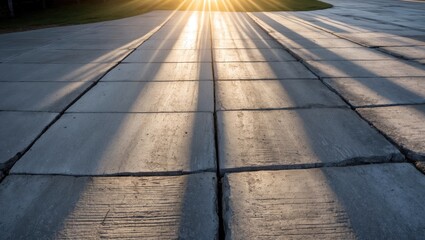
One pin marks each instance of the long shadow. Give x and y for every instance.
(94, 147)
(321, 151)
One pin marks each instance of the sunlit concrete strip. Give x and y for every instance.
(365, 92)
(184, 96)
(302, 138)
(56, 207)
(118, 143)
(381, 201)
(274, 94)
(403, 124)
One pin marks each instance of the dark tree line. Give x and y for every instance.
(13, 8)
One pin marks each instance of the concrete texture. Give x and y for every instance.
(39, 96)
(380, 91)
(177, 55)
(383, 201)
(18, 130)
(192, 43)
(384, 68)
(245, 43)
(252, 55)
(46, 55)
(270, 94)
(261, 71)
(148, 97)
(317, 43)
(160, 72)
(113, 143)
(340, 54)
(416, 52)
(58, 207)
(298, 138)
(52, 72)
(403, 124)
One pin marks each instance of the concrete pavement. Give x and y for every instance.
(200, 125)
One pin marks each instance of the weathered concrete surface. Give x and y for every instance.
(52, 72)
(192, 43)
(416, 52)
(148, 97)
(317, 43)
(46, 55)
(252, 55)
(39, 96)
(114, 143)
(58, 207)
(298, 138)
(384, 68)
(380, 91)
(384, 41)
(18, 130)
(383, 201)
(176, 55)
(261, 71)
(160, 72)
(92, 43)
(269, 94)
(403, 124)
(245, 43)
(340, 54)
(8, 53)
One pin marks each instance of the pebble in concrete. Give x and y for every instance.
(176, 55)
(380, 91)
(403, 124)
(147, 97)
(115, 143)
(61, 207)
(274, 94)
(52, 72)
(384, 68)
(298, 138)
(252, 55)
(160, 72)
(18, 130)
(39, 96)
(340, 54)
(380, 201)
(261, 71)
(46, 55)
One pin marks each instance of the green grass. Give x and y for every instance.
(114, 9)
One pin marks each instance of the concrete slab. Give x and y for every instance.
(341, 54)
(245, 43)
(373, 69)
(18, 130)
(114, 207)
(380, 91)
(8, 43)
(160, 72)
(8, 53)
(284, 139)
(93, 44)
(45, 55)
(177, 55)
(192, 43)
(380, 201)
(12, 72)
(39, 96)
(261, 71)
(115, 143)
(271, 94)
(415, 52)
(183, 96)
(252, 55)
(403, 124)
(393, 41)
(317, 43)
